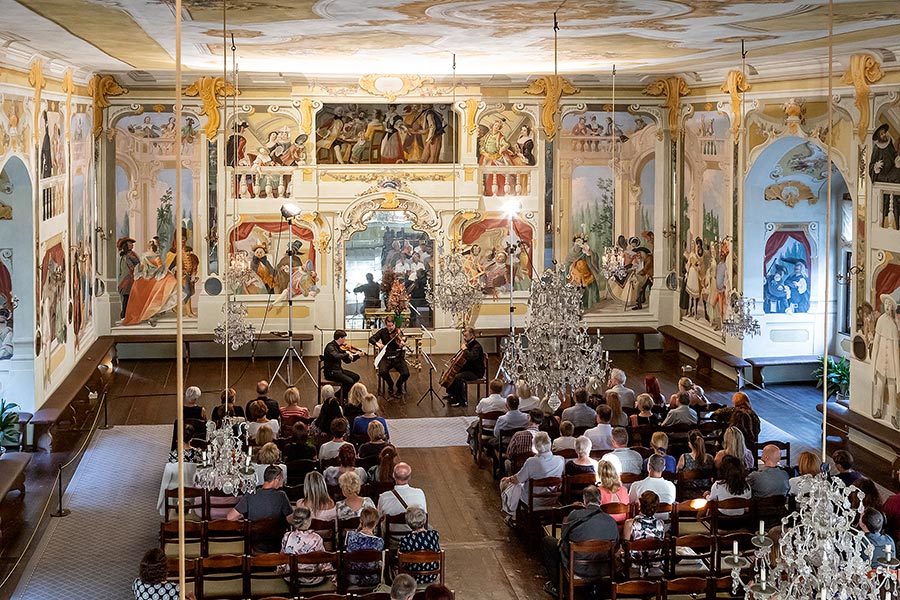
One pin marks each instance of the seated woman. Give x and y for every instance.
(329, 411)
(733, 445)
(659, 443)
(346, 464)
(383, 472)
(645, 525)
(151, 581)
(696, 460)
(316, 498)
(361, 423)
(264, 436)
(645, 416)
(583, 463)
(326, 393)
(698, 397)
(258, 410)
(617, 417)
(377, 440)
(611, 488)
(300, 540)
(732, 483)
(420, 538)
(353, 408)
(191, 454)
(527, 399)
(364, 538)
(352, 504)
(329, 450)
(267, 455)
(301, 447)
(233, 409)
(192, 410)
(292, 406)
(807, 467)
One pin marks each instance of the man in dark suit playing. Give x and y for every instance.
(473, 369)
(333, 356)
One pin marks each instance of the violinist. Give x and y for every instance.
(394, 358)
(333, 356)
(472, 368)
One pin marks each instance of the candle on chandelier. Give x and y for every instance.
(888, 550)
(734, 547)
(762, 528)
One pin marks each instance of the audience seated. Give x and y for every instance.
(316, 498)
(262, 395)
(420, 538)
(697, 459)
(659, 443)
(611, 488)
(513, 419)
(292, 406)
(330, 410)
(682, 414)
(616, 384)
(741, 415)
(151, 582)
(583, 462)
(617, 418)
(891, 510)
(364, 538)
(353, 406)
(588, 523)
(268, 502)
(514, 489)
(403, 588)
(843, 462)
(493, 403)
(623, 458)
(651, 388)
(733, 445)
(258, 418)
(395, 501)
(300, 540)
(871, 495)
(300, 447)
(383, 472)
(268, 455)
(808, 466)
(219, 411)
(645, 525)
(601, 434)
(436, 591)
(329, 450)
(346, 464)
(645, 415)
(732, 483)
(377, 440)
(871, 523)
(527, 399)
(770, 479)
(566, 440)
(522, 442)
(192, 410)
(352, 504)
(326, 392)
(654, 482)
(695, 394)
(369, 415)
(580, 414)
(190, 454)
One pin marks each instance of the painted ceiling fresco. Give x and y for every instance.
(352, 37)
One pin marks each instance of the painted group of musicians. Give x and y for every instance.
(391, 346)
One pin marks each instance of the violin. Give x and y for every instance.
(348, 347)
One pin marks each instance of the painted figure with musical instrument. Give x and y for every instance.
(335, 354)
(467, 365)
(391, 345)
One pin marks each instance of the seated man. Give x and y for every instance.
(623, 458)
(843, 461)
(522, 442)
(514, 489)
(389, 339)
(329, 450)
(601, 434)
(395, 501)
(580, 414)
(332, 357)
(268, 502)
(616, 384)
(493, 403)
(403, 588)
(682, 414)
(513, 419)
(472, 369)
(654, 482)
(870, 523)
(566, 439)
(584, 524)
(770, 479)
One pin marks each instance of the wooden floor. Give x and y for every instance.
(485, 559)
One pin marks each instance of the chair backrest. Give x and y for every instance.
(368, 462)
(644, 451)
(692, 483)
(326, 530)
(702, 547)
(560, 514)
(221, 576)
(393, 527)
(218, 504)
(193, 504)
(691, 516)
(722, 519)
(328, 462)
(263, 578)
(785, 448)
(725, 547)
(616, 508)
(326, 564)
(343, 526)
(645, 554)
(423, 561)
(265, 535)
(637, 589)
(544, 493)
(573, 485)
(770, 509)
(490, 418)
(629, 478)
(364, 565)
(695, 587)
(579, 431)
(193, 537)
(591, 556)
(190, 572)
(566, 453)
(222, 536)
(505, 437)
(293, 492)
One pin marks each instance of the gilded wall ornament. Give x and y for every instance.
(795, 113)
(101, 87)
(306, 107)
(37, 81)
(392, 86)
(208, 89)
(68, 86)
(735, 84)
(383, 175)
(552, 87)
(790, 193)
(862, 71)
(673, 88)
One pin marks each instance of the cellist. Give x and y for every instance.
(394, 359)
(472, 369)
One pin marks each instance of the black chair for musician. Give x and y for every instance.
(483, 381)
(322, 380)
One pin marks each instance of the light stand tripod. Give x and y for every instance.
(288, 212)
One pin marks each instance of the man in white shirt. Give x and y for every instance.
(682, 414)
(527, 400)
(513, 419)
(654, 483)
(623, 458)
(494, 402)
(329, 450)
(580, 414)
(390, 504)
(616, 384)
(601, 435)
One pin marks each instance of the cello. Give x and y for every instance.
(454, 366)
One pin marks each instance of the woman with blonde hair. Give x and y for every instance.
(355, 397)
(659, 443)
(369, 409)
(611, 488)
(264, 435)
(316, 498)
(617, 417)
(353, 503)
(292, 406)
(527, 399)
(377, 440)
(269, 454)
(645, 416)
(698, 397)
(733, 445)
(583, 463)
(258, 410)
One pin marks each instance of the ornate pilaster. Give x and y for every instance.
(552, 87)
(862, 71)
(735, 84)
(37, 81)
(101, 87)
(68, 86)
(208, 89)
(672, 88)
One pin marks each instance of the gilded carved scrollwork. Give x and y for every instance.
(101, 87)
(862, 71)
(735, 84)
(37, 81)
(672, 88)
(392, 86)
(209, 89)
(553, 87)
(68, 86)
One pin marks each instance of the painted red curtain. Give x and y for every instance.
(301, 233)
(5, 283)
(887, 281)
(777, 240)
(59, 257)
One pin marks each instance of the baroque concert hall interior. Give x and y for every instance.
(394, 299)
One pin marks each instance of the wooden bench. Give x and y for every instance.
(841, 420)
(12, 472)
(168, 337)
(638, 331)
(60, 401)
(706, 352)
(761, 362)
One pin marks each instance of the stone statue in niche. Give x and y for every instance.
(886, 359)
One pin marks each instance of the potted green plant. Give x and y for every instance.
(838, 377)
(9, 424)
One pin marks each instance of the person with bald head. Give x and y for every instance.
(397, 500)
(770, 479)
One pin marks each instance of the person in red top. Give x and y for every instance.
(292, 406)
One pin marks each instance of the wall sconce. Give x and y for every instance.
(854, 271)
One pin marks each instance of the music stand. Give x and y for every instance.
(430, 391)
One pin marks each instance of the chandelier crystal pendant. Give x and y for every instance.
(239, 273)
(740, 321)
(236, 330)
(555, 354)
(820, 553)
(226, 466)
(453, 292)
(612, 263)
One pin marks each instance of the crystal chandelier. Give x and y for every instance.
(453, 292)
(740, 321)
(555, 354)
(612, 263)
(226, 466)
(239, 273)
(820, 553)
(236, 330)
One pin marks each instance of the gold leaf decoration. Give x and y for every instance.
(673, 88)
(734, 85)
(101, 87)
(209, 89)
(552, 87)
(37, 81)
(392, 86)
(862, 71)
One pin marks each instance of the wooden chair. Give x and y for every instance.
(393, 527)
(617, 508)
(193, 504)
(644, 451)
(543, 495)
(327, 531)
(264, 580)
(573, 486)
(374, 489)
(293, 492)
(690, 516)
(499, 454)
(723, 521)
(686, 588)
(785, 448)
(722, 588)
(324, 564)
(629, 478)
(770, 509)
(368, 462)
(647, 559)
(190, 573)
(419, 565)
(222, 536)
(484, 379)
(217, 504)
(697, 557)
(361, 563)
(221, 576)
(579, 431)
(691, 484)
(265, 535)
(343, 526)
(558, 516)
(193, 538)
(637, 589)
(566, 453)
(328, 462)
(297, 470)
(595, 556)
